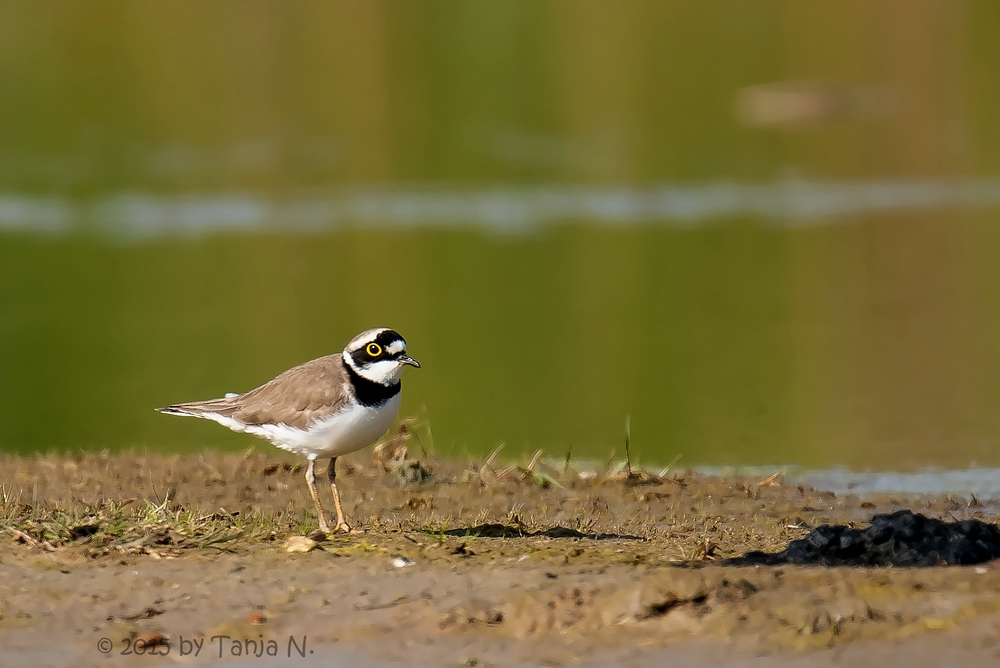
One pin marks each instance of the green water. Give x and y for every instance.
(138, 266)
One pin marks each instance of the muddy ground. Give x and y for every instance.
(456, 563)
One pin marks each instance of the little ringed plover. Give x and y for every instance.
(327, 407)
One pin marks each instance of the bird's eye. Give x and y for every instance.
(374, 349)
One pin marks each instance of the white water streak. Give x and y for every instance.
(506, 210)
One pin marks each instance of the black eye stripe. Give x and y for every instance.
(363, 357)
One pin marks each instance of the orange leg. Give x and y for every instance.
(311, 481)
(331, 472)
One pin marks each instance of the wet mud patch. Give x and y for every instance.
(902, 538)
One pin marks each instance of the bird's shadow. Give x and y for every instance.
(495, 530)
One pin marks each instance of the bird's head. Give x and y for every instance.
(378, 355)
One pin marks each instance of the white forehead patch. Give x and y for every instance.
(396, 347)
(365, 337)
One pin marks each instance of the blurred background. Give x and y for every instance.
(767, 231)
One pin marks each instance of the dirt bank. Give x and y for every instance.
(456, 562)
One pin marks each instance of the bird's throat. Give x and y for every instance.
(369, 392)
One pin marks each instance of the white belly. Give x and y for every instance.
(351, 429)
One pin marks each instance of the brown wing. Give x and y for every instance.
(297, 397)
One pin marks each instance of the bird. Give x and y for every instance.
(326, 407)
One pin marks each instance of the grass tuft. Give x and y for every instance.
(158, 529)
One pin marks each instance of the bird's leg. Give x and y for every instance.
(311, 481)
(331, 471)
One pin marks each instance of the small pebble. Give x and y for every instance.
(151, 639)
(299, 544)
(257, 618)
(402, 562)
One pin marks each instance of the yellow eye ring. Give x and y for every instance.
(374, 349)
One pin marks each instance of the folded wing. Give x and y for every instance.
(298, 397)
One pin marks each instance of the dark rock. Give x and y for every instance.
(83, 530)
(902, 538)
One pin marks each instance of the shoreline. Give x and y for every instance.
(482, 564)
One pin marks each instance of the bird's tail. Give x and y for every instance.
(200, 408)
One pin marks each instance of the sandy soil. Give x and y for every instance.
(476, 565)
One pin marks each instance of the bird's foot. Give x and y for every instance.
(322, 533)
(342, 527)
